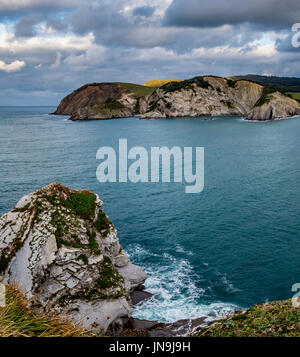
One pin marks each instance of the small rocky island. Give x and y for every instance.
(199, 96)
(60, 249)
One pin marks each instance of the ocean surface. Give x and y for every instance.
(233, 245)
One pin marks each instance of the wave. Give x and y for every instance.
(173, 283)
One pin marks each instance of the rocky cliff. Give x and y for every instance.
(199, 96)
(216, 96)
(59, 247)
(103, 101)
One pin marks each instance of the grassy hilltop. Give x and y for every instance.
(156, 83)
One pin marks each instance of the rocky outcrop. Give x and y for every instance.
(273, 106)
(199, 96)
(216, 96)
(59, 247)
(103, 101)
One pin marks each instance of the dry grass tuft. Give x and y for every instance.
(17, 320)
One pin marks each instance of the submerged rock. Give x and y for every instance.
(59, 247)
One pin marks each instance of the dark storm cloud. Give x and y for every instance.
(208, 13)
(113, 28)
(146, 11)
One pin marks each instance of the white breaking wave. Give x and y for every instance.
(173, 283)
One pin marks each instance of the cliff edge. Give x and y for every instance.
(61, 250)
(216, 96)
(199, 96)
(95, 101)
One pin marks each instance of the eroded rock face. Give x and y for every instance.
(96, 101)
(199, 96)
(274, 106)
(216, 96)
(62, 251)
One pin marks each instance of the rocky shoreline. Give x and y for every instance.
(159, 329)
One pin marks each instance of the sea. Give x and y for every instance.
(235, 244)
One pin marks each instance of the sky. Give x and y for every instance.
(48, 48)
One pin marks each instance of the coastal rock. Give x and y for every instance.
(138, 296)
(274, 106)
(96, 101)
(133, 275)
(175, 329)
(199, 96)
(216, 96)
(58, 246)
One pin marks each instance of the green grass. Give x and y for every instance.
(84, 258)
(82, 203)
(187, 84)
(274, 319)
(137, 89)
(265, 98)
(103, 223)
(295, 95)
(17, 320)
(93, 245)
(113, 104)
(109, 276)
(230, 82)
(22, 209)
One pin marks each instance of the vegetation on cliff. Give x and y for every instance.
(18, 320)
(272, 319)
(103, 101)
(198, 96)
(68, 258)
(286, 84)
(187, 84)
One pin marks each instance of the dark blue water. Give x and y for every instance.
(233, 245)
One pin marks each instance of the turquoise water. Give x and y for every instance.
(233, 245)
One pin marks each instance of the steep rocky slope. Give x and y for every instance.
(216, 96)
(58, 246)
(199, 96)
(274, 105)
(103, 101)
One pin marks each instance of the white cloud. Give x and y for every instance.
(94, 55)
(12, 67)
(9, 43)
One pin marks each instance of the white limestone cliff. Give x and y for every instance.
(58, 246)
